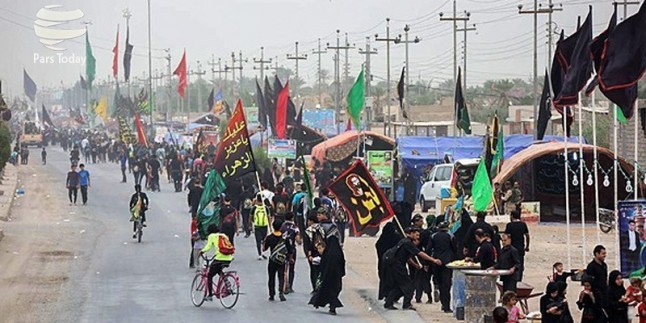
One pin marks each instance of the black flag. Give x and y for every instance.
(127, 56)
(400, 93)
(211, 101)
(596, 50)
(544, 109)
(30, 86)
(270, 106)
(560, 63)
(463, 122)
(579, 69)
(47, 121)
(83, 83)
(624, 59)
(262, 110)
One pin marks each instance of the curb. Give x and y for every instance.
(11, 182)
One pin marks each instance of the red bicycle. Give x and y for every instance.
(226, 288)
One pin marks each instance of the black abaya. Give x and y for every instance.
(388, 239)
(332, 271)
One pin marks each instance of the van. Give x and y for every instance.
(442, 175)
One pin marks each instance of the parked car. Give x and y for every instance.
(442, 175)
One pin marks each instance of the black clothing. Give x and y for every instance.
(470, 241)
(84, 194)
(73, 179)
(485, 255)
(397, 279)
(592, 311)
(72, 192)
(194, 195)
(508, 259)
(599, 272)
(259, 234)
(546, 302)
(332, 271)
(274, 269)
(518, 230)
(617, 311)
(442, 246)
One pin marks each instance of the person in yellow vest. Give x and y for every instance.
(261, 217)
(220, 259)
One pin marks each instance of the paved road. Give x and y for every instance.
(118, 280)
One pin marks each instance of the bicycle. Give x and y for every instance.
(140, 227)
(226, 289)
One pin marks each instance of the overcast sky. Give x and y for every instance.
(500, 48)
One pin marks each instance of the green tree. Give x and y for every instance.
(5, 144)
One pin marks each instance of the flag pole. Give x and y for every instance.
(581, 181)
(596, 166)
(615, 180)
(636, 169)
(566, 167)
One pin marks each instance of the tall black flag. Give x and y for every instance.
(30, 86)
(624, 59)
(47, 120)
(401, 92)
(463, 121)
(270, 106)
(262, 110)
(544, 109)
(127, 56)
(211, 100)
(579, 70)
(83, 83)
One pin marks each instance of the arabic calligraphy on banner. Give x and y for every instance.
(280, 148)
(362, 199)
(235, 157)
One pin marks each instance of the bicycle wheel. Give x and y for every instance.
(229, 290)
(198, 291)
(139, 234)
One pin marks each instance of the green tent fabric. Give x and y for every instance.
(356, 99)
(481, 189)
(620, 116)
(212, 189)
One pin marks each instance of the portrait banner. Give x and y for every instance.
(632, 237)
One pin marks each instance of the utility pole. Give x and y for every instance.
(169, 110)
(368, 52)
(346, 68)
(240, 60)
(319, 52)
(233, 74)
(465, 30)
(220, 71)
(388, 40)
(212, 64)
(407, 85)
(550, 33)
(337, 77)
(626, 3)
(296, 58)
(275, 67)
(199, 74)
(262, 63)
(537, 10)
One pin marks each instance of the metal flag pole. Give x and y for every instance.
(567, 186)
(616, 173)
(636, 170)
(596, 165)
(581, 181)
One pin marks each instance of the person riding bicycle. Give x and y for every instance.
(138, 205)
(219, 260)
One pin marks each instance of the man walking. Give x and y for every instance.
(72, 184)
(598, 270)
(84, 181)
(442, 246)
(509, 260)
(519, 238)
(261, 221)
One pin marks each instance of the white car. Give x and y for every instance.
(442, 175)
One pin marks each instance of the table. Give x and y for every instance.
(481, 293)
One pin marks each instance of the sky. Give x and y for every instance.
(501, 46)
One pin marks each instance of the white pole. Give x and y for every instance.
(567, 187)
(636, 170)
(582, 182)
(616, 183)
(596, 167)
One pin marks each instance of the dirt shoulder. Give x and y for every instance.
(40, 246)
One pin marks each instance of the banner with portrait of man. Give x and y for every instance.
(362, 199)
(632, 237)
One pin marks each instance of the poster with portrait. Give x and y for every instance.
(380, 166)
(632, 238)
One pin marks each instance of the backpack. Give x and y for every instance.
(279, 255)
(299, 206)
(390, 256)
(224, 246)
(280, 207)
(247, 204)
(340, 215)
(229, 218)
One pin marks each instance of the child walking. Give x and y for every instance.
(509, 300)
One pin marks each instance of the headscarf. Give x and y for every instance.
(551, 288)
(612, 286)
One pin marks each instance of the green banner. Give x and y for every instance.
(380, 166)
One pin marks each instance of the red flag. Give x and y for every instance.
(349, 126)
(141, 135)
(115, 60)
(281, 112)
(180, 71)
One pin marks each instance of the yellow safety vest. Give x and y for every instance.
(260, 218)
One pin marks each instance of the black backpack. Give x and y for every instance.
(279, 255)
(390, 256)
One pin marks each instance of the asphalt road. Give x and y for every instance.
(118, 280)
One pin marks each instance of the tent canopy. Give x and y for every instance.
(419, 152)
(344, 146)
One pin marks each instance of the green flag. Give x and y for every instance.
(212, 189)
(481, 190)
(620, 116)
(496, 164)
(356, 99)
(90, 62)
(306, 178)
